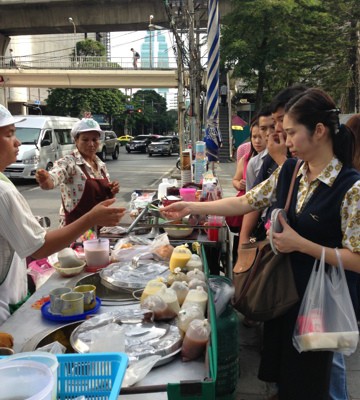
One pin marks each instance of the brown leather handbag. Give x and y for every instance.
(264, 282)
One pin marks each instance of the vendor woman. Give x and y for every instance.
(20, 233)
(83, 178)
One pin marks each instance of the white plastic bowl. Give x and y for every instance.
(178, 233)
(48, 359)
(71, 271)
(25, 380)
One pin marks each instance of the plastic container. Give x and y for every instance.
(188, 194)
(42, 357)
(96, 254)
(162, 189)
(27, 380)
(97, 376)
(214, 220)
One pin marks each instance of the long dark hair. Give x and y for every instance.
(315, 106)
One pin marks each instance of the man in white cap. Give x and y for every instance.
(83, 178)
(20, 233)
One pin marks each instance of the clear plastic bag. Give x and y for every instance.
(326, 318)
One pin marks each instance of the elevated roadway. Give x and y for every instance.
(34, 17)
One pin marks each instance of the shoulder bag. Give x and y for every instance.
(264, 282)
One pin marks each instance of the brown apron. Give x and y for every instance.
(95, 191)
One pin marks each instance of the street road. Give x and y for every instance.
(133, 171)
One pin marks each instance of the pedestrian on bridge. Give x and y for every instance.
(136, 56)
(22, 236)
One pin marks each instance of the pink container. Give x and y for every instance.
(188, 194)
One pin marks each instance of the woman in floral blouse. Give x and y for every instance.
(83, 178)
(324, 213)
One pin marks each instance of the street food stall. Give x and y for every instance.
(172, 379)
(97, 305)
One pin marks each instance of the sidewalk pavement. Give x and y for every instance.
(249, 387)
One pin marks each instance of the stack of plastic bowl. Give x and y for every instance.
(47, 359)
(23, 379)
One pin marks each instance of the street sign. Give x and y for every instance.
(37, 102)
(129, 106)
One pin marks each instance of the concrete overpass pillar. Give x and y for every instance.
(4, 43)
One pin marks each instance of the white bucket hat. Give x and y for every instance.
(7, 119)
(86, 125)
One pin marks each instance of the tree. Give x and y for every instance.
(74, 102)
(279, 43)
(89, 47)
(153, 119)
(92, 54)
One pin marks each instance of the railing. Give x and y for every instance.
(86, 62)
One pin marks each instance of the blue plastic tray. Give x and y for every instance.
(97, 376)
(47, 314)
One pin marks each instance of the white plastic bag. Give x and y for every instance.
(326, 318)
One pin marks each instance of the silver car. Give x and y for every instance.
(109, 146)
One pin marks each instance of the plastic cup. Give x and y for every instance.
(96, 254)
(214, 220)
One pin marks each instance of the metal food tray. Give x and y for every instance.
(142, 338)
(122, 275)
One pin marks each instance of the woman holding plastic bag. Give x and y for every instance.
(324, 212)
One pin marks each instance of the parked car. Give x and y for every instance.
(109, 146)
(164, 145)
(125, 139)
(44, 139)
(139, 143)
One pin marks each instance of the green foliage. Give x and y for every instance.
(153, 119)
(74, 102)
(282, 42)
(89, 47)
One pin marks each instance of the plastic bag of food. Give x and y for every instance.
(108, 338)
(197, 296)
(179, 257)
(195, 340)
(53, 348)
(186, 315)
(181, 289)
(170, 298)
(138, 370)
(194, 263)
(196, 273)
(159, 307)
(195, 282)
(176, 275)
(152, 287)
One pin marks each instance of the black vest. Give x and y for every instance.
(320, 219)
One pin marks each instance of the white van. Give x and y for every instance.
(44, 139)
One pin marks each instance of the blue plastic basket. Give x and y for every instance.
(97, 376)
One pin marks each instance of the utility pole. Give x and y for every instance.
(181, 105)
(192, 70)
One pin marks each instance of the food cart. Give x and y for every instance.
(175, 380)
